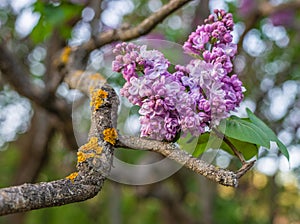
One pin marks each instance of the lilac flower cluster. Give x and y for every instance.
(150, 86)
(192, 98)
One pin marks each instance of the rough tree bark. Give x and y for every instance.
(94, 162)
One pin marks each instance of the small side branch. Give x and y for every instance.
(173, 152)
(233, 148)
(143, 28)
(245, 168)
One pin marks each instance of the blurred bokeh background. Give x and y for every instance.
(37, 144)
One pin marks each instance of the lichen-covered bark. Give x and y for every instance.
(91, 171)
(28, 197)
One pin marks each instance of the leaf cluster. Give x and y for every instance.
(246, 134)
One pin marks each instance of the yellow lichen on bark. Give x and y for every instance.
(64, 57)
(110, 135)
(81, 157)
(89, 150)
(97, 98)
(72, 176)
(92, 144)
(98, 150)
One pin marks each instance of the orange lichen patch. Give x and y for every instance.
(92, 144)
(97, 76)
(64, 57)
(89, 150)
(110, 135)
(98, 150)
(80, 157)
(98, 96)
(72, 176)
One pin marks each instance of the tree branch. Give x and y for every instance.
(95, 23)
(34, 147)
(143, 28)
(93, 164)
(95, 157)
(28, 197)
(173, 152)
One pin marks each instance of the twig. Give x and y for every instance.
(233, 148)
(143, 28)
(245, 168)
(173, 152)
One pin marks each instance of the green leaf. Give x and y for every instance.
(244, 130)
(247, 149)
(187, 143)
(269, 132)
(210, 140)
(53, 16)
(202, 144)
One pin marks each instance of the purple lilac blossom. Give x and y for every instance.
(193, 98)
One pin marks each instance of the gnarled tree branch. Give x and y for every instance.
(94, 163)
